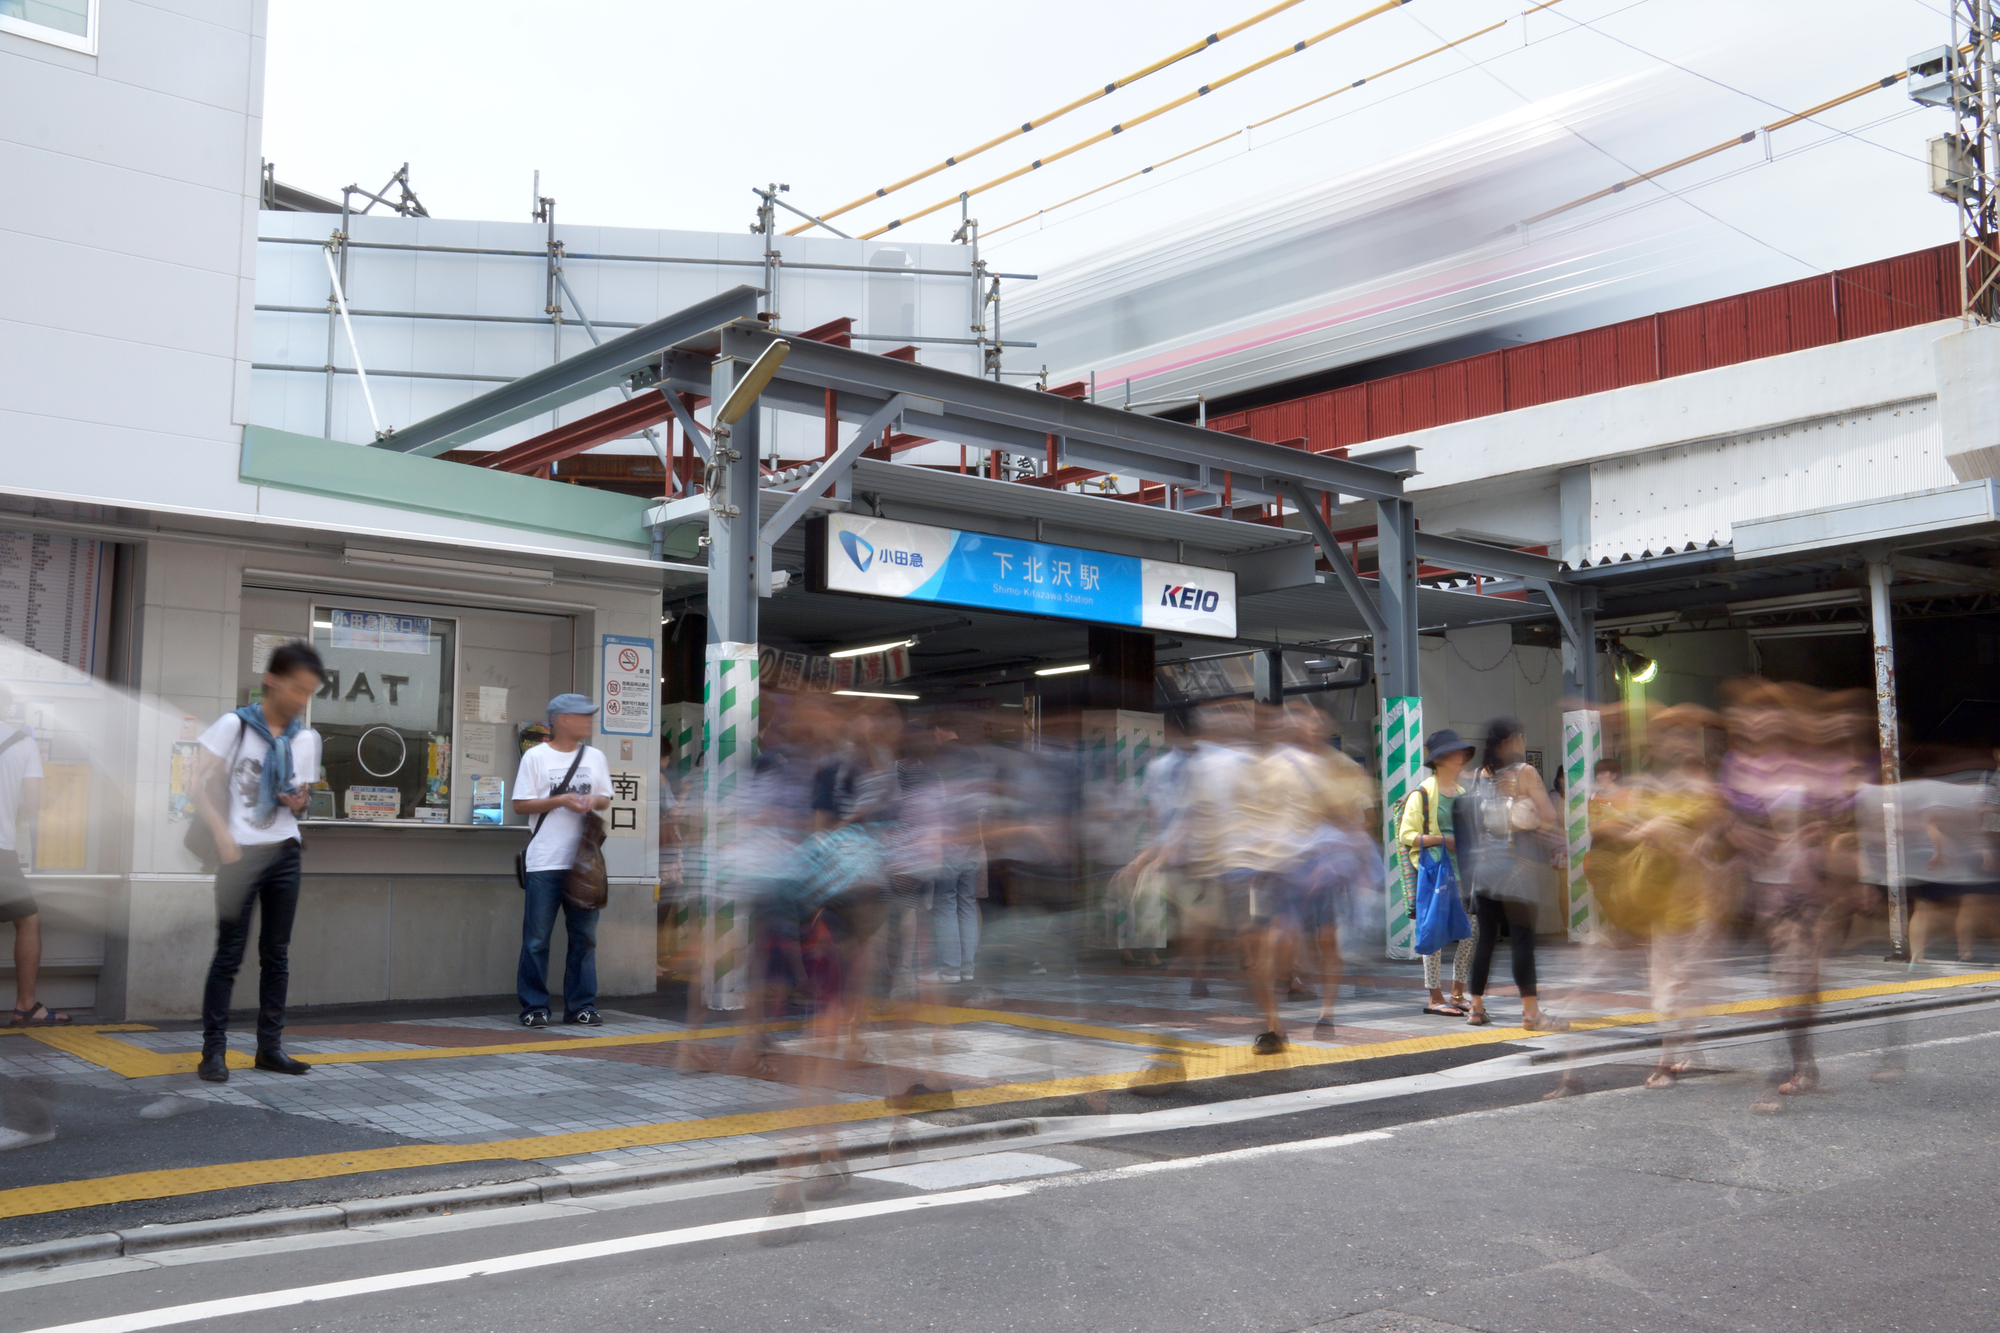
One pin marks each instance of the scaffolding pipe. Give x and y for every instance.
(627, 259)
(340, 302)
(623, 392)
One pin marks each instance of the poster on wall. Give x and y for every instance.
(628, 686)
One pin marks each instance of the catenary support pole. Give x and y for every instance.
(730, 689)
(1888, 736)
(1402, 721)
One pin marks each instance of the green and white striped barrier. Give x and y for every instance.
(729, 726)
(1399, 743)
(1583, 746)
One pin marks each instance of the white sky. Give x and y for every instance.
(665, 113)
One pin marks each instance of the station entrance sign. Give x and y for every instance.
(884, 558)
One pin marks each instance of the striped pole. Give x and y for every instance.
(1583, 746)
(729, 726)
(1399, 743)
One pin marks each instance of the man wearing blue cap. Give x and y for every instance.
(561, 780)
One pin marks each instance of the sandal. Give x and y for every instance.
(27, 1018)
(1444, 1010)
(1478, 1018)
(1543, 1023)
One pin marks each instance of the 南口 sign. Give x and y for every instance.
(884, 558)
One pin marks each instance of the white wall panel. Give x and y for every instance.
(1664, 499)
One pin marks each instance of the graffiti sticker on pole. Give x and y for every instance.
(628, 686)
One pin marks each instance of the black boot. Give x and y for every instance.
(213, 1068)
(277, 1062)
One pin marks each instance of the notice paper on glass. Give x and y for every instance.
(374, 802)
(485, 703)
(475, 744)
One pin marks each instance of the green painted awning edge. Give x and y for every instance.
(342, 471)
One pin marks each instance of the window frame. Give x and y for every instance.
(42, 32)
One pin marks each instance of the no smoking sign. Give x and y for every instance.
(627, 686)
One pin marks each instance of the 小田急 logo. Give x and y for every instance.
(859, 550)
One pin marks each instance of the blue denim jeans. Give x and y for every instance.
(538, 923)
(955, 917)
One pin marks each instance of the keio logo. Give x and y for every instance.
(1189, 598)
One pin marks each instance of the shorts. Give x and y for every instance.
(17, 900)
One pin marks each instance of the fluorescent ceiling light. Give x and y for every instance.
(1803, 601)
(322, 624)
(874, 648)
(1063, 670)
(876, 694)
(440, 564)
(1629, 624)
(1810, 631)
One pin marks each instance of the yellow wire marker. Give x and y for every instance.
(1141, 119)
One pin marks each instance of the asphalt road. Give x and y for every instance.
(1866, 1205)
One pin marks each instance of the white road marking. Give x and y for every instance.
(515, 1263)
(171, 1315)
(959, 1172)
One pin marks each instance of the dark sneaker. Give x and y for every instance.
(1198, 989)
(277, 1062)
(588, 1018)
(535, 1018)
(1269, 1043)
(213, 1068)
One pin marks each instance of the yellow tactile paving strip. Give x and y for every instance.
(121, 1057)
(1197, 1060)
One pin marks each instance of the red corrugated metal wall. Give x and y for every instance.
(1851, 303)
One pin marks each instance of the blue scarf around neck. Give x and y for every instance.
(277, 775)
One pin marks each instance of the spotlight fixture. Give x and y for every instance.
(1639, 668)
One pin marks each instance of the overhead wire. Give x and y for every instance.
(1592, 27)
(1123, 125)
(1321, 124)
(1191, 49)
(1748, 136)
(1344, 88)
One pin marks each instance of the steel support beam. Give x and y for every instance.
(1142, 443)
(1492, 561)
(1267, 675)
(572, 378)
(1329, 546)
(695, 434)
(1396, 647)
(1576, 616)
(814, 486)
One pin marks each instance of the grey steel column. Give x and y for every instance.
(1888, 737)
(1580, 654)
(1396, 651)
(1267, 674)
(732, 528)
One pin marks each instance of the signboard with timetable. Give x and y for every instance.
(884, 558)
(628, 686)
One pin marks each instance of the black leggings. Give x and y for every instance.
(1520, 918)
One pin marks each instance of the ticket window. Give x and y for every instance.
(384, 713)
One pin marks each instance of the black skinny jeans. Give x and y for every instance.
(266, 875)
(1520, 918)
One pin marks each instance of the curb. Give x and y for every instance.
(401, 1207)
(1821, 1019)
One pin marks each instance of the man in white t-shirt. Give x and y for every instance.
(20, 800)
(557, 809)
(253, 779)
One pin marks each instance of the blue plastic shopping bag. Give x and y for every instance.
(1441, 918)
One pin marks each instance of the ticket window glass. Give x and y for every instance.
(384, 713)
